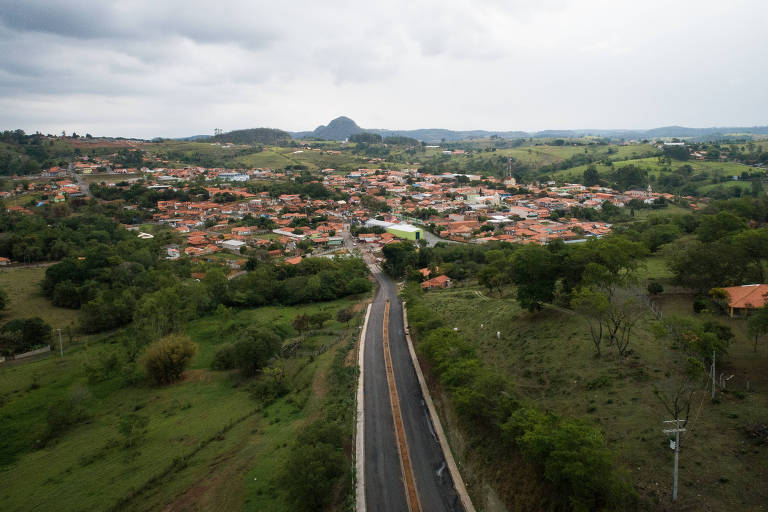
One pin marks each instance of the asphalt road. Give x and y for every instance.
(383, 477)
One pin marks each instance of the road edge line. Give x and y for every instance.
(458, 482)
(360, 420)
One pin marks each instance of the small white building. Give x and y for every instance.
(233, 245)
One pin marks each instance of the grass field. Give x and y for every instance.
(209, 444)
(549, 357)
(27, 299)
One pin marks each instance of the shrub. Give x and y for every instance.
(166, 359)
(313, 467)
(700, 304)
(254, 349)
(224, 358)
(655, 288)
(65, 413)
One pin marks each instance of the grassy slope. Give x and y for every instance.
(83, 471)
(549, 356)
(23, 287)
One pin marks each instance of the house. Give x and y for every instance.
(746, 297)
(233, 245)
(293, 261)
(4, 261)
(173, 252)
(437, 282)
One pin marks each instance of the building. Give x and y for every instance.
(437, 282)
(233, 245)
(743, 298)
(405, 231)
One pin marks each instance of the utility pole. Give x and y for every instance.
(61, 345)
(676, 431)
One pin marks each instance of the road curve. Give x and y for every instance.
(384, 489)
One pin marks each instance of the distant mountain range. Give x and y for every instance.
(342, 127)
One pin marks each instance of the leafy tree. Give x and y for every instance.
(313, 467)
(254, 349)
(344, 315)
(591, 176)
(22, 334)
(4, 299)
(301, 323)
(715, 227)
(534, 272)
(400, 257)
(166, 359)
(758, 324)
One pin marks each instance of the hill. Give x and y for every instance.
(342, 127)
(254, 136)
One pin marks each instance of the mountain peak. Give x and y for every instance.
(338, 129)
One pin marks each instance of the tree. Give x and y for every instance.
(22, 334)
(4, 300)
(344, 315)
(534, 272)
(166, 359)
(254, 349)
(677, 392)
(593, 307)
(400, 257)
(317, 320)
(493, 278)
(758, 324)
(313, 466)
(301, 323)
(591, 176)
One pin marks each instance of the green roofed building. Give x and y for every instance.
(405, 231)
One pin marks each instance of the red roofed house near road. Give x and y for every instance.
(749, 296)
(437, 282)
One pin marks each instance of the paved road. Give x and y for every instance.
(84, 186)
(383, 478)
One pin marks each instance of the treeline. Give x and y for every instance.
(541, 274)
(40, 237)
(729, 245)
(570, 454)
(138, 194)
(129, 281)
(24, 154)
(270, 136)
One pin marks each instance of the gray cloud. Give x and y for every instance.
(146, 68)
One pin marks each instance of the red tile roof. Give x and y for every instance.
(747, 296)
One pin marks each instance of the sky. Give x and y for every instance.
(168, 68)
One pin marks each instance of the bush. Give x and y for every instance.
(254, 349)
(655, 288)
(574, 458)
(166, 359)
(63, 414)
(313, 467)
(224, 358)
(700, 304)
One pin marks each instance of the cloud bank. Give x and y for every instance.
(175, 68)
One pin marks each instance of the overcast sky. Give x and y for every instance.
(170, 68)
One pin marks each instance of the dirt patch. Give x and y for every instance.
(196, 376)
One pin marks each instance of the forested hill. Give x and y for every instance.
(254, 136)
